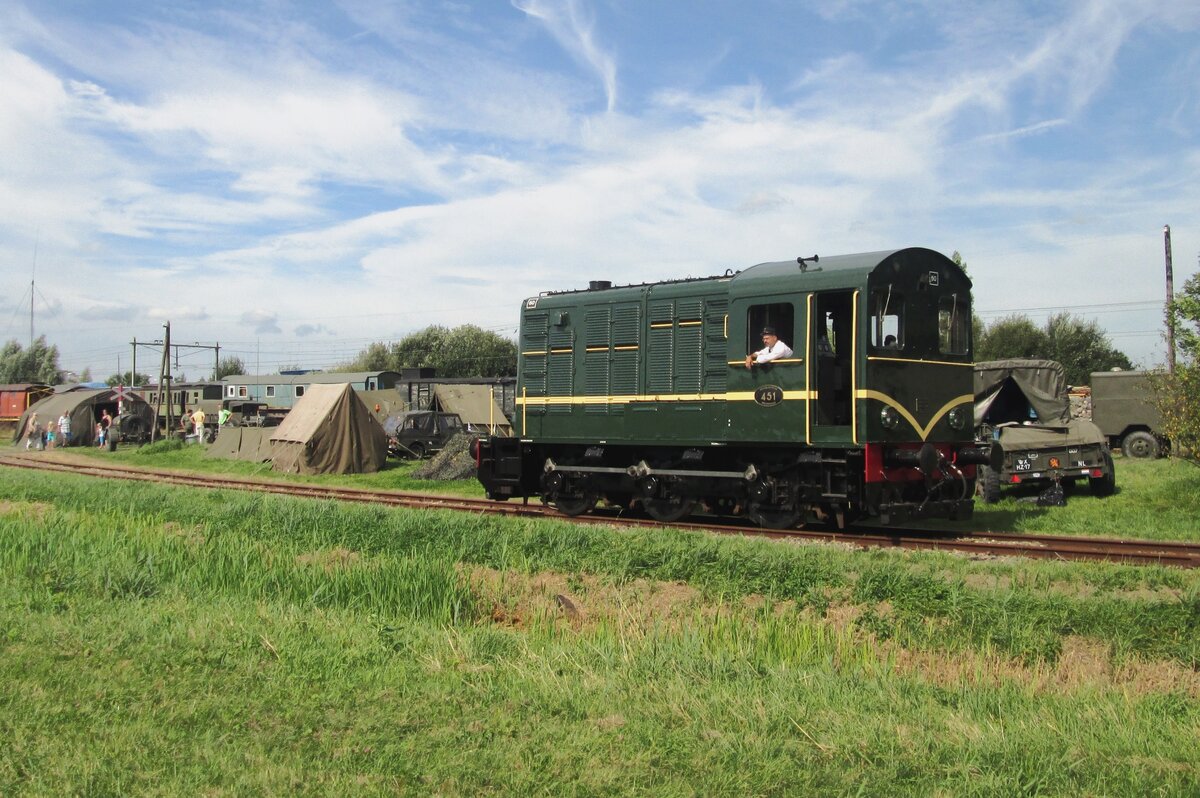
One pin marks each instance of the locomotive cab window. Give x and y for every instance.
(887, 319)
(954, 324)
(779, 315)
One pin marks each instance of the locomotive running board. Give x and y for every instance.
(643, 470)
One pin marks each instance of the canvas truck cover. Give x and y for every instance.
(474, 405)
(1042, 381)
(329, 431)
(1077, 432)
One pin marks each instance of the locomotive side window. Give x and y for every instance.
(887, 319)
(954, 324)
(779, 315)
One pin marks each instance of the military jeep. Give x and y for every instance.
(1023, 414)
(420, 433)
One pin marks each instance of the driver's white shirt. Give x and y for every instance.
(769, 353)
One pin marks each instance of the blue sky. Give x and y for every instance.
(298, 180)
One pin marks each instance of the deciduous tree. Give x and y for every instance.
(1012, 336)
(1178, 395)
(465, 351)
(126, 378)
(227, 366)
(1081, 346)
(38, 363)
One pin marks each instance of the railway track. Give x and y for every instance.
(985, 544)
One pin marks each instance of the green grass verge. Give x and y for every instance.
(1155, 499)
(171, 641)
(172, 454)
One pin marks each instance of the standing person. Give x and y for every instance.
(107, 421)
(99, 435)
(223, 416)
(198, 420)
(31, 431)
(773, 349)
(64, 429)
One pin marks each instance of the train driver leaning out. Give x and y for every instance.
(773, 349)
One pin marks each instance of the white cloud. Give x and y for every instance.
(570, 24)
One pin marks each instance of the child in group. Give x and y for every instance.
(50, 435)
(99, 435)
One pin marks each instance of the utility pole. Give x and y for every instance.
(164, 385)
(1170, 298)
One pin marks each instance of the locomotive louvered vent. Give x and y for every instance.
(599, 285)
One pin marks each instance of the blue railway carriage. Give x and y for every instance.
(641, 397)
(282, 391)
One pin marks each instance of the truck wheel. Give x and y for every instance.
(1106, 483)
(418, 450)
(1140, 444)
(989, 484)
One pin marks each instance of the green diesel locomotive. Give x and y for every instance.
(662, 396)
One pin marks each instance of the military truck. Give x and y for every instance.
(420, 433)
(1023, 414)
(1123, 410)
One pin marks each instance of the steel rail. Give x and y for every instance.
(981, 544)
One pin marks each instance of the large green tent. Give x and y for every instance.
(84, 407)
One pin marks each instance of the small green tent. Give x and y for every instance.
(329, 431)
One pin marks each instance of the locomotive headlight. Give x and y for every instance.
(889, 418)
(957, 418)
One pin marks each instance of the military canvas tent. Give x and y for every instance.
(1042, 383)
(474, 405)
(329, 431)
(84, 407)
(252, 444)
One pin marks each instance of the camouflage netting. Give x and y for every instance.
(454, 461)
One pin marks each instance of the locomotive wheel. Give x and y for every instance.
(773, 516)
(574, 505)
(668, 510)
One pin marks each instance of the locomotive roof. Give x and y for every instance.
(833, 269)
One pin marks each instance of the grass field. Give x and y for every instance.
(160, 640)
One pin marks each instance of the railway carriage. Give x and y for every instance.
(282, 391)
(15, 399)
(640, 395)
(182, 399)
